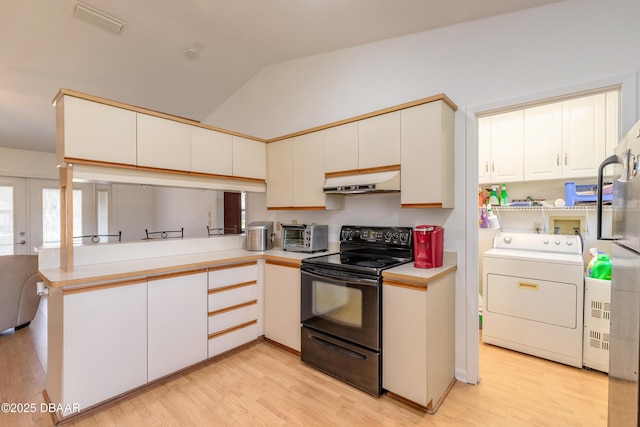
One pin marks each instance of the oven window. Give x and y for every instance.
(338, 303)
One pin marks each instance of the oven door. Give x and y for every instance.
(343, 304)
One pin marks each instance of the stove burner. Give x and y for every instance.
(370, 263)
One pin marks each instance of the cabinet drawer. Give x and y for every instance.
(227, 341)
(227, 276)
(233, 296)
(233, 317)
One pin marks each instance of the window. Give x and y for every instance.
(102, 201)
(51, 215)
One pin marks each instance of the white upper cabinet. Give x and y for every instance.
(211, 151)
(280, 174)
(543, 142)
(249, 158)
(163, 144)
(95, 131)
(341, 148)
(379, 141)
(427, 174)
(502, 137)
(308, 170)
(583, 136)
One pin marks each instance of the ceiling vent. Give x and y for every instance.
(97, 17)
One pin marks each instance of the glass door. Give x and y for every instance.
(14, 236)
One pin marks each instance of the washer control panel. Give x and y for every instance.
(559, 243)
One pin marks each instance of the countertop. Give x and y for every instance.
(127, 270)
(124, 270)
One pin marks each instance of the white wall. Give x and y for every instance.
(28, 164)
(536, 53)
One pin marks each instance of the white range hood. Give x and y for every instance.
(376, 182)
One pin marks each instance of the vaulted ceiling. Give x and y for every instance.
(44, 47)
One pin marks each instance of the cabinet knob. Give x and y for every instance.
(565, 159)
(558, 159)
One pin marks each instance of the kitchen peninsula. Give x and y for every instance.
(130, 319)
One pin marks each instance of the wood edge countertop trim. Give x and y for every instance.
(362, 171)
(101, 286)
(415, 282)
(133, 275)
(439, 97)
(297, 208)
(238, 265)
(283, 263)
(71, 160)
(176, 274)
(112, 103)
(420, 205)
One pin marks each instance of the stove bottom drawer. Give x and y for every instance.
(352, 364)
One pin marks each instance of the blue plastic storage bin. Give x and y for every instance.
(571, 196)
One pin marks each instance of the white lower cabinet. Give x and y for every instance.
(282, 304)
(233, 306)
(177, 322)
(104, 344)
(418, 336)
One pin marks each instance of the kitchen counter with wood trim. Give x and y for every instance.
(417, 276)
(90, 274)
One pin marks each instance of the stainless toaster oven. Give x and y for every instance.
(305, 238)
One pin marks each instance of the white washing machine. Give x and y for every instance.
(533, 295)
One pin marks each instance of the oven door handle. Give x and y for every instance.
(354, 280)
(337, 348)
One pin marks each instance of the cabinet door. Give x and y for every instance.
(308, 170)
(341, 148)
(379, 141)
(105, 343)
(163, 143)
(427, 138)
(583, 136)
(484, 150)
(543, 142)
(177, 322)
(507, 141)
(280, 174)
(211, 151)
(282, 304)
(249, 158)
(95, 131)
(404, 337)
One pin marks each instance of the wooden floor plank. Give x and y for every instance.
(264, 385)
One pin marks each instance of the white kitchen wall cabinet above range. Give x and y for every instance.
(379, 141)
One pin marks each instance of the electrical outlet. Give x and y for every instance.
(277, 226)
(294, 221)
(537, 227)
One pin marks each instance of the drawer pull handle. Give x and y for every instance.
(529, 286)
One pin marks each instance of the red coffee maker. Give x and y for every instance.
(428, 246)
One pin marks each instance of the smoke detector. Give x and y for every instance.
(98, 18)
(191, 52)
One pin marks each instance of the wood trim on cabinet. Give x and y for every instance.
(362, 171)
(176, 274)
(406, 285)
(439, 97)
(233, 307)
(227, 266)
(232, 329)
(298, 208)
(230, 287)
(421, 205)
(99, 287)
(282, 263)
(94, 98)
(72, 160)
(66, 218)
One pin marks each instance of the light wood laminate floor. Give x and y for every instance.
(264, 385)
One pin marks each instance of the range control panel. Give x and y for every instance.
(377, 235)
